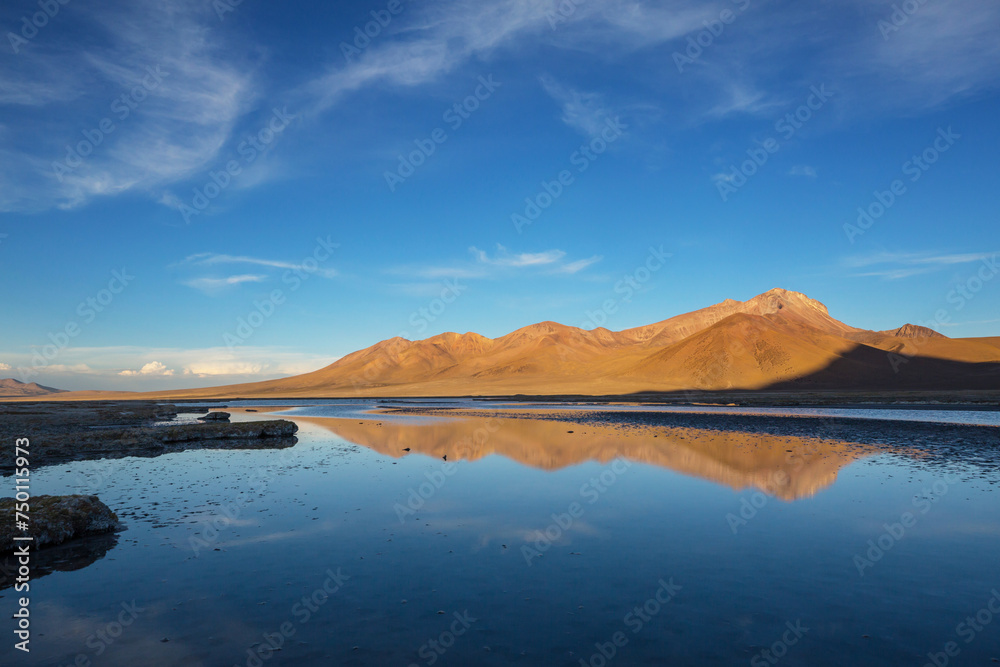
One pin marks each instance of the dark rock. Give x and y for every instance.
(57, 519)
(216, 416)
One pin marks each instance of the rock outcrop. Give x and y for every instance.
(56, 519)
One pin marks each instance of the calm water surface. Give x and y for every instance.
(529, 545)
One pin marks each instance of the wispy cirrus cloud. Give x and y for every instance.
(440, 37)
(216, 259)
(517, 260)
(219, 284)
(502, 263)
(213, 85)
(553, 260)
(212, 285)
(179, 90)
(583, 111)
(579, 265)
(899, 265)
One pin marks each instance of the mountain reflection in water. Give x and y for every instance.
(787, 467)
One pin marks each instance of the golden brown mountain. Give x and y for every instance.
(15, 388)
(778, 340)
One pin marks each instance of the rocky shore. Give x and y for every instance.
(62, 432)
(57, 519)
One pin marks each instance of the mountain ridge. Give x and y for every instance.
(779, 338)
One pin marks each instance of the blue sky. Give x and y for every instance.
(275, 190)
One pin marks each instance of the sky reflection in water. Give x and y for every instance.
(545, 537)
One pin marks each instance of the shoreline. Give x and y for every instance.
(971, 400)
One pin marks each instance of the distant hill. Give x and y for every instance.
(10, 388)
(777, 340)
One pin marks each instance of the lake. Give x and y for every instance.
(408, 538)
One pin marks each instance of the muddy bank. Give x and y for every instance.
(62, 432)
(944, 443)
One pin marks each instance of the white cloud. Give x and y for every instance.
(912, 258)
(210, 368)
(740, 97)
(585, 112)
(442, 36)
(212, 259)
(186, 114)
(213, 285)
(501, 263)
(579, 265)
(101, 367)
(899, 265)
(152, 368)
(520, 260)
(946, 48)
(802, 170)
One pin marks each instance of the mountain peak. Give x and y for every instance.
(780, 340)
(776, 299)
(914, 331)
